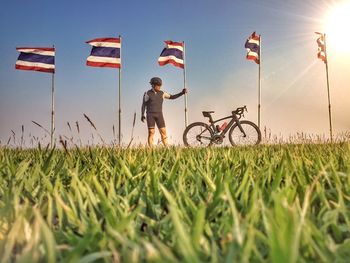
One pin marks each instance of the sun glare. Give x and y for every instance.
(338, 28)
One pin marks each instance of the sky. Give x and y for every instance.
(219, 78)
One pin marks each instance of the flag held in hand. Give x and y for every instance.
(173, 54)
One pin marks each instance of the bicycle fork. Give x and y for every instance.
(239, 124)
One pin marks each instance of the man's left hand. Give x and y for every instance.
(184, 91)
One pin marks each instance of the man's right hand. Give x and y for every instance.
(143, 118)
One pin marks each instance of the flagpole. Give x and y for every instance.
(184, 73)
(329, 96)
(52, 107)
(259, 85)
(119, 93)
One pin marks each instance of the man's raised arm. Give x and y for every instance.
(175, 96)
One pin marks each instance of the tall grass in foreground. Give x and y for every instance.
(282, 203)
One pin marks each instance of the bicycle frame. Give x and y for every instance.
(234, 119)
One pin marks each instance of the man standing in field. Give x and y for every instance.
(153, 102)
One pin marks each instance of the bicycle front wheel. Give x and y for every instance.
(250, 134)
(197, 134)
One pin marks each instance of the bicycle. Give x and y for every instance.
(239, 132)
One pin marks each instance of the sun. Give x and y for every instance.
(337, 28)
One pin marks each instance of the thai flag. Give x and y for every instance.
(253, 47)
(36, 58)
(321, 53)
(105, 53)
(173, 53)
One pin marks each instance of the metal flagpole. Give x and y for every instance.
(259, 92)
(184, 73)
(329, 96)
(52, 108)
(119, 92)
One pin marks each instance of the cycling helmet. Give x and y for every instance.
(156, 81)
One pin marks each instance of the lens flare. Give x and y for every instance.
(338, 28)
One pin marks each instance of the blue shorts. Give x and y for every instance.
(154, 118)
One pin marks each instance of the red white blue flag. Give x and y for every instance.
(321, 53)
(105, 53)
(253, 48)
(173, 54)
(36, 58)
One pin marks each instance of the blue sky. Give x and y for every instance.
(219, 77)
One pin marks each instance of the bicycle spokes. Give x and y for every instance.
(197, 135)
(246, 134)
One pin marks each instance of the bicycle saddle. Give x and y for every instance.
(207, 113)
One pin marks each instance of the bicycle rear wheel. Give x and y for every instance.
(251, 135)
(197, 134)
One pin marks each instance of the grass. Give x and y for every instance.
(279, 203)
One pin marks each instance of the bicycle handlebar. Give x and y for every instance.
(240, 110)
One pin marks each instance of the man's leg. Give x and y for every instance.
(150, 124)
(161, 126)
(162, 132)
(151, 132)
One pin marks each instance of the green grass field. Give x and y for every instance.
(281, 203)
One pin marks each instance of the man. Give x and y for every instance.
(153, 102)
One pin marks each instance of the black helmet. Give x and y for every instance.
(156, 81)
